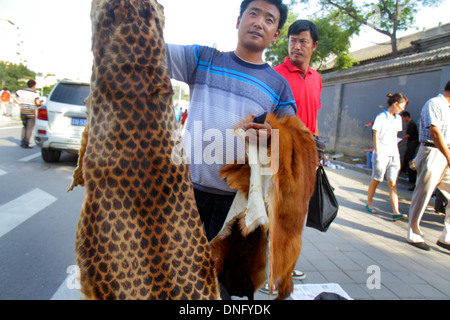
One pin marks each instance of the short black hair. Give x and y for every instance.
(447, 86)
(304, 25)
(278, 3)
(405, 114)
(31, 83)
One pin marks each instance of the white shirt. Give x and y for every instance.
(387, 126)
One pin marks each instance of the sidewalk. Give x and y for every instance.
(358, 243)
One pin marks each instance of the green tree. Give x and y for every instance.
(385, 16)
(47, 89)
(14, 76)
(334, 41)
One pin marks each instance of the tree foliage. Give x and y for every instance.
(334, 41)
(385, 16)
(14, 76)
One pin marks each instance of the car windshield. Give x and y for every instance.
(70, 93)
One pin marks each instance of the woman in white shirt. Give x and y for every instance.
(386, 157)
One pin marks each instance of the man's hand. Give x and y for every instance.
(440, 143)
(260, 131)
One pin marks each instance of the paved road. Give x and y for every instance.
(37, 220)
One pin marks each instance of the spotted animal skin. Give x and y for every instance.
(139, 235)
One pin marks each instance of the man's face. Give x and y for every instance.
(258, 25)
(301, 48)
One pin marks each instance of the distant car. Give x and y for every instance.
(61, 120)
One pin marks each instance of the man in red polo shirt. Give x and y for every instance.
(305, 82)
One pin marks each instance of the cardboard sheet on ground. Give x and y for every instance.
(310, 291)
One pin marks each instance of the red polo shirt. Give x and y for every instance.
(306, 89)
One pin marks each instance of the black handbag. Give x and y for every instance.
(323, 206)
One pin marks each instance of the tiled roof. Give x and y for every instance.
(427, 39)
(417, 60)
(385, 48)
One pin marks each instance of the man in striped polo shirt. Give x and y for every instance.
(226, 87)
(28, 101)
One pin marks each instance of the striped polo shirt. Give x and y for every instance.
(27, 98)
(224, 89)
(435, 112)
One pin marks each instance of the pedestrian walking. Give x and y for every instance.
(412, 144)
(28, 100)
(5, 101)
(386, 156)
(432, 165)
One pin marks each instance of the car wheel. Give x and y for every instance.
(50, 155)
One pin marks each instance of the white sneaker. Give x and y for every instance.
(298, 275)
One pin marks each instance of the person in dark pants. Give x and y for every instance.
(412, 135)
(28, 101)
(207, 205)
(305, 82)
(225, 88)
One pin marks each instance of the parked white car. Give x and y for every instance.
(61, 120)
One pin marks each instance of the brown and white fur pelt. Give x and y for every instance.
(241, 249)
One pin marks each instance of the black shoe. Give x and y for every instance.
(443, 245)
(420, 245)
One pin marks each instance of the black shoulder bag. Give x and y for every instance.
(323, 206)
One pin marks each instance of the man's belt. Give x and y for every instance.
(429, 144)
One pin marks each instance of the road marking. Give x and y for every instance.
(2, 173)
(19, 210)
(31, 157)
(66, 291)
